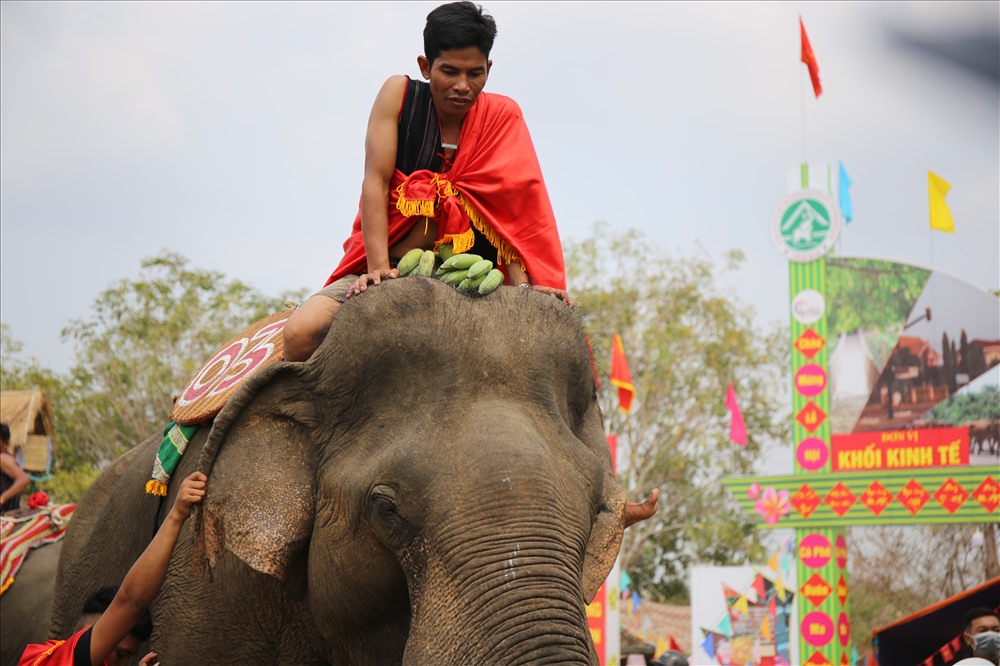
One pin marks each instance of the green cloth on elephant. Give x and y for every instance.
(168, 456)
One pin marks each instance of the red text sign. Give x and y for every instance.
(900, 449)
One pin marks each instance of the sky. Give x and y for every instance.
(233, 133)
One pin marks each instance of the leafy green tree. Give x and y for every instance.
(977, 361)
(963, 347)
(685, 337)
(870, 294)
(72, 474)
(144, 339)
(982, 405)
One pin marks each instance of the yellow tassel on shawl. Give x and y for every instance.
(410, 208)
(505, 253)
(460, 242)
(154, 487)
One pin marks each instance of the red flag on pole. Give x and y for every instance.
(620, 375)
(809, 58)
(672, 644)
(737, 428)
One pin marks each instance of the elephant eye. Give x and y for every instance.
(383, 500)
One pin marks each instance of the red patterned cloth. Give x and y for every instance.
(495, 184)
(20, 535)
(52, 653)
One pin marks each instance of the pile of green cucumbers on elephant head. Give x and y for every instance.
(469, 273)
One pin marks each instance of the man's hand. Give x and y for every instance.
(636, 512)
(558, 293)
(149, 660)
(192, 492)
(373, 277)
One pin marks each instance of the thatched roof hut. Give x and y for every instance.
(28, 414)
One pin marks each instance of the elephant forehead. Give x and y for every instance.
(432, 328)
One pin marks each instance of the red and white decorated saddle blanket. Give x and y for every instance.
(18, 535)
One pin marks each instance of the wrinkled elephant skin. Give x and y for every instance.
(25, 606)
(433, 487)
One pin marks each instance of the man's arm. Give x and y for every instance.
(381, 143)
(11, 469)
(144, 579)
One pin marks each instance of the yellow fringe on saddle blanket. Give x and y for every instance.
(20, 535)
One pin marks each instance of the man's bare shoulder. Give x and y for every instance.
(389, 99)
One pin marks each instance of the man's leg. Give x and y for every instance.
(307, 327)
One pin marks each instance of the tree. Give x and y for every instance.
(142, 342)
(685, 339)
(963, 347)
(941, 561)
(871, 294)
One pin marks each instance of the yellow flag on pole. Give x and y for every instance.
(937, 188)
(661, 646)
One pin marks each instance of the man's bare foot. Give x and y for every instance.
(635, 512)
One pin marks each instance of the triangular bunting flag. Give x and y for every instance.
(742, 606)
(708, 645)
(758, 586)
(772, 563)
(779, 589)
(661, 646)
(726, 626)
(765, 629)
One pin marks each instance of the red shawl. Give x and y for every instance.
(495, 184)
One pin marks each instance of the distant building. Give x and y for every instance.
(991, 350)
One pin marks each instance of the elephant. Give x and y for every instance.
(432, 487)
(25, 607)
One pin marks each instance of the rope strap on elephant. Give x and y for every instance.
(168, 456)
(20, 535)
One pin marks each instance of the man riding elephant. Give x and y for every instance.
(445, 163)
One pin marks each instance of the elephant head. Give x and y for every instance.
(434, 481)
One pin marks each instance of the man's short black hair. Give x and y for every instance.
(99, 602)
(976, 613)
(4, 432)
(458, 25)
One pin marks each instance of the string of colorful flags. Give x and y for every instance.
(758, 613)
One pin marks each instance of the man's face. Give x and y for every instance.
(456, 77)
(124, 651)
(981, 625)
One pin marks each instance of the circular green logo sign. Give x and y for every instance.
(806, 225)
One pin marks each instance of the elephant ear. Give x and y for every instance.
(609, 527)
(260, 460)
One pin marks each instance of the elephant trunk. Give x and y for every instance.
(501, 599)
